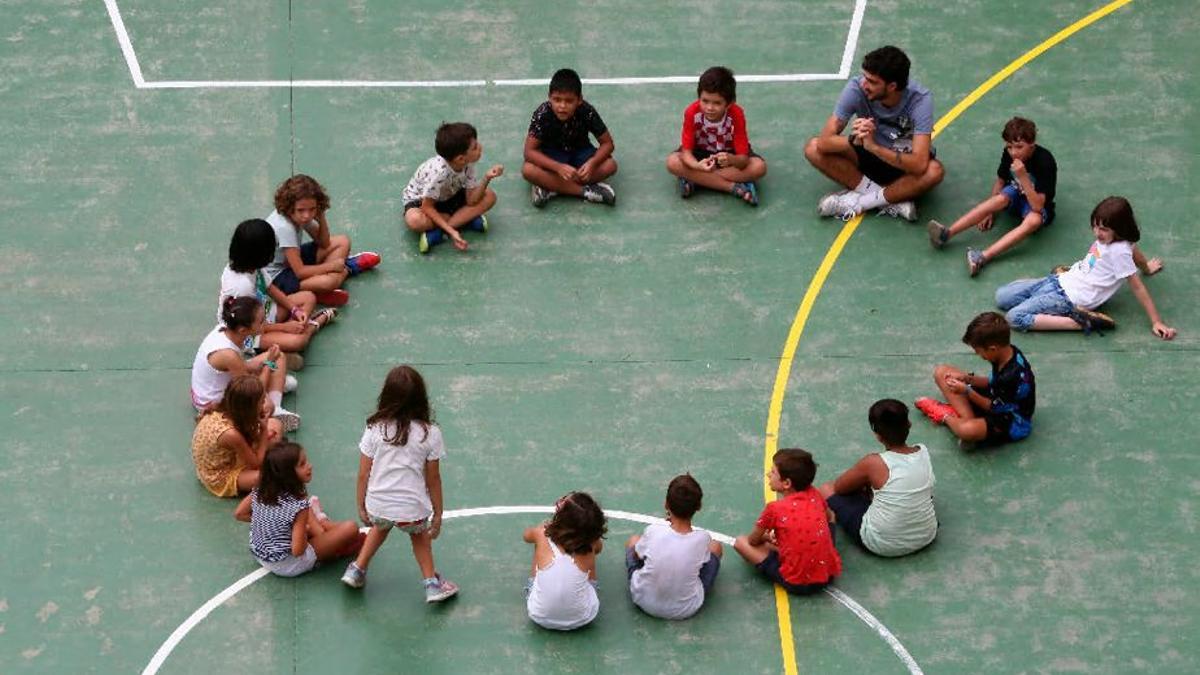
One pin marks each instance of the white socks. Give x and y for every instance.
(866, 186)
(872, 200)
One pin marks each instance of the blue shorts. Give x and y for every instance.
(1019, 206)
(286, 280)
(769, 568)
(708, 571)
(850, 510)
(575, 158)
(448, 206)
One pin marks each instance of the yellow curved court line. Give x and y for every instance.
(782, 606)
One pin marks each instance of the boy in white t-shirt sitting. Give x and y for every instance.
(672, 566)
(444, 195)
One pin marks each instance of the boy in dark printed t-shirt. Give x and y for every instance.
(1026, 181)
(998, 407)
(559, 156)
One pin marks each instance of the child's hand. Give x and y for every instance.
(721, 159)
(567, 172)
(435, 527)
(584, 173)
(296, 327)
(494, 172)
(458, 241)
(273, 353)
(1154, 266)
(1163, 331)
(956, 385)
(708, 163)
(1018, 167)
(986, 224)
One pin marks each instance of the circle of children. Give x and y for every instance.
(272, 285)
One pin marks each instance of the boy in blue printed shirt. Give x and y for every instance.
(559, 157)
(1025, 185)
(997, 408)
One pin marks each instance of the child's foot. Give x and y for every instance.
(479, 224)
(746, 192)
(354, 576)
(905, 210)
(975, 261)
(539, 195)
(322, 318)
(289, 419)
(429, 239)
(686, 188)
(294, 361)
(314, 503)
(361, 262)
(1060, 269)
(937, 411)
(438, 589)
(335, 298)
(1091, 320)
(290, 383)
(939, 234)
(842, 205)
(600, 193)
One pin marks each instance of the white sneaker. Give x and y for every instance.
(539, 195)
(842, 205)
(290, 383)
(289, 419)
(905, 210)
(600, 193)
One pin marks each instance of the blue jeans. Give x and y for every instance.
(1025, 298)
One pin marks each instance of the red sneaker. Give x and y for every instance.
(937, 411)
(335, 298)
(361, 262)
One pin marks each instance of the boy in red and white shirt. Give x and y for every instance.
(715, 151)
(792, 542)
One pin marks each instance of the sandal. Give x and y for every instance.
(330, 314)
(686, 188)
(740, 190)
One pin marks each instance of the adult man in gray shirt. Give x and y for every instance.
(887, 160)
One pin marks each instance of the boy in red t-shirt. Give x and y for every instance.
(792, 542)
(715, 149)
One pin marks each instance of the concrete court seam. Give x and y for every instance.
(775, 408)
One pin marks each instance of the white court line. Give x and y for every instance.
(177, 635)
(139, 81)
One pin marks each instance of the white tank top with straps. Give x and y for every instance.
(562, 596)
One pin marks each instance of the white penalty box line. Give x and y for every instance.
(139, 80)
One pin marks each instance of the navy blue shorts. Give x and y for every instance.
(850, 510)
(1019, 206)
(286, 280)
(575, 158)
(874, 168)
(769, 568)
(447, 206)
(708, 571)
(702, 155)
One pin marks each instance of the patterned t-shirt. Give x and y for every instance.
(570, 134)
(271, 526)
(1012, 388)
(724, 135)
(806, 552)
(435, 179)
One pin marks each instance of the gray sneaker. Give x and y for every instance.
(975, 261)
(939, 234)
(354, 576)
(842, 205)
(289, 419)
(905, 210)
(539, 195)
(439, 590)
(600, 193)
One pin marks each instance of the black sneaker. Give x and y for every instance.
(1091, 320)
(600, 193)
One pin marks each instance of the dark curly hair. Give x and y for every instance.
(577, 523)
(296, 188)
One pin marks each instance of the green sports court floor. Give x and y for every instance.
(583, 347)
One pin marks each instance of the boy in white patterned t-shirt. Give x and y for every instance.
(445, 195)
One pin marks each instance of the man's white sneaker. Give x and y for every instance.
(842, 205)
(905, 210)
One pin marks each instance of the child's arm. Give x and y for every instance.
(242, 512)
(429, 208)
(532, 534)
(295, 312)
(364, 473)
(536, 157)
(475, 194)
(321, 236)
(1036, 199)
(302, 271)
(433, 483)
(757, 536)
(859, 477)
(300, 533)
(966, 386)
(250, 455)
(603, 152)
(1140, 292)
(1148, 267)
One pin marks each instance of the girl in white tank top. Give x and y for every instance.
(561, 593)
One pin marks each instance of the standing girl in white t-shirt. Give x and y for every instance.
(400, 480)
(561, 591)
(1068, 300)
(221, 358)
(290, 321)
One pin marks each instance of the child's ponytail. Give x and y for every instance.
(239, 312)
